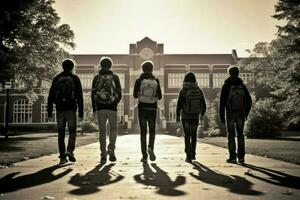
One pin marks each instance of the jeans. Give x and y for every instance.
(63, 117)
(235, 124)
(190, 136)
(147, 116)
(109, 116)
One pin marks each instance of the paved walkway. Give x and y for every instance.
(168, 178)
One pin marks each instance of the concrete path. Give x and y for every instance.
(168, 178)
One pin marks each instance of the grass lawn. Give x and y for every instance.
(285, 150)
(33, 145)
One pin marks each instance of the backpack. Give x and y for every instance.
(148, 91)
(236, 99)
(193, 101)
(65, 88)
(106, 91)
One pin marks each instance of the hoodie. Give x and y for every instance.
(232, 80)
(181, 100)
(77, 95)
(118, 90)
(136, 91)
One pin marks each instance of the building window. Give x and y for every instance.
(86, 80)
(202, 79)
(218, 79)
(172, 110)
(175, 80)
(121, 112)
(122, 79)
(22, 111)
(44, 113)
(246, 77)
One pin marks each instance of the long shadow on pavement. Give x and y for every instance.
(15, 143)
(277, 177)
(9, 183)
(234, 183)
(91, 181)
(160, 180)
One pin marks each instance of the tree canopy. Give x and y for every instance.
(33, 42)
(276, 65)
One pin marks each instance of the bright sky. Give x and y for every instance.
(183, 26)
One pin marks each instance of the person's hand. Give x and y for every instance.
(178, 119)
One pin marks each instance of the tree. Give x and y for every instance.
(289, 10)
(32, 42)
(276, 65)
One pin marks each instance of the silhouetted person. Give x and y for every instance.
(66, 94)
(106, 94)
(147, 90)
(236, 101)
(190, 105)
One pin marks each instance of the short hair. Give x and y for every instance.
(105, 62)
(233, 70)
(147, 66)
(68, 64)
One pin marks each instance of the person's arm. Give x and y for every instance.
(93, 93)
(51, 98)
(79, 96)
(179, 105)
(118, 88)
(136, 88)
(248, 101)
(159, 93)
(222, 104)
(203, 104)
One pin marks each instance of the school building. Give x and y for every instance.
(170, 69)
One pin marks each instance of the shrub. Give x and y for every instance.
(265, 119)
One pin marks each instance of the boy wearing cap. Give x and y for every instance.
(106, 94)
(147, 90)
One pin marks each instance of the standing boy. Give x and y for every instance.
(106, 94)
(236, 100)
(66, 94)
(147, 90)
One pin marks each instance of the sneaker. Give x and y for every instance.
(151, 154)
(103, 159)
(231, 161)
(112, 156)
(63, 161)
(241, 160)
(188, 160)
(144, 160)
(71, 157)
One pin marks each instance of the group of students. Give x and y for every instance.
(106, 93)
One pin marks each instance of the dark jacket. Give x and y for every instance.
(181, 101)
(77, 95)
(136, 91)
(118, 90)
(232, 80)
